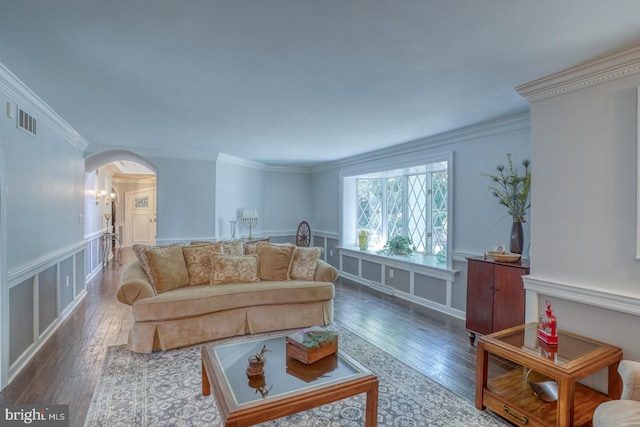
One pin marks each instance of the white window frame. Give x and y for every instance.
(348, 208)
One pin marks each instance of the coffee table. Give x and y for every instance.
(287, 387)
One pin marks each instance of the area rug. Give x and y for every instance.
(164, 389)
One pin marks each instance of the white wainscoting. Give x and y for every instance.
(67, 268)
(381, 280)
(93, 254)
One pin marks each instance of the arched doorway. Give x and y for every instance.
(132, 188)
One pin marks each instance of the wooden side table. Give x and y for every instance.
(504, 389)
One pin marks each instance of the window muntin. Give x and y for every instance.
(410, 201)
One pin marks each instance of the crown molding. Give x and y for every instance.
(93, 149)
(480, 130)
(238, 161)
(603, 70)
(18, 92)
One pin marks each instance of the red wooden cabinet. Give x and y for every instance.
(495, 295)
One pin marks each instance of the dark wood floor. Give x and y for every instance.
(66, 369)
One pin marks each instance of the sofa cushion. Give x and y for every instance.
(274, 260)
(198, 300)
(168, 268)
(233, 248)
(198, 260)
(304, 263)
(234, 269)
(141, 255)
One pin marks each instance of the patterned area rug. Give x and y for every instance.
(164, 389)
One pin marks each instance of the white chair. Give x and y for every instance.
(626, 411)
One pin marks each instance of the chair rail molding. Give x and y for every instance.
(623, 303)
(24, 271)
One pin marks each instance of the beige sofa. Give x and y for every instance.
(245, 293)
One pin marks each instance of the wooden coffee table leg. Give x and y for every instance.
(372, 405)
(206, 387)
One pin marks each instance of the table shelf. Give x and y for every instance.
(511, 390)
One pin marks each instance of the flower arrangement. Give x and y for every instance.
(512, 187)
(398, 245)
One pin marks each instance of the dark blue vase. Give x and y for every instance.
(517, 237)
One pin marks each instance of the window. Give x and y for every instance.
(409, 201)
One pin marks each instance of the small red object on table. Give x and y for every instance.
(548, 327)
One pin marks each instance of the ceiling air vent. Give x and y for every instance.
(26, 122)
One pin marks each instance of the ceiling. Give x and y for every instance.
(295, 82)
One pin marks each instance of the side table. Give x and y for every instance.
(503, 388)
(110, 244)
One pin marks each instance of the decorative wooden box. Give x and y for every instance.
(306, 354)
(313, 371)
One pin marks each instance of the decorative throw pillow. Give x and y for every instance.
(274, 260)
(251, 249)
(233, 248)
(142, 257)
(140, 251)
(198, 260)
(234, 269)
(168, 268)
(304, 263)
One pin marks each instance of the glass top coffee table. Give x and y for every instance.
(287, 386)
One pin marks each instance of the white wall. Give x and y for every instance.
(185, 199)
(282, 197)
(94, 221)
(45, 176)
(325, 200)
(584, 152)
(43, 214)
(585, 203)
(288, 200)
(240, 185)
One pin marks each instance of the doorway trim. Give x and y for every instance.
(94, 161)
(4, 284)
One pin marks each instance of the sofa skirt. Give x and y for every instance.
(146, 337)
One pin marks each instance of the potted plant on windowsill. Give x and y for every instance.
(398, 245)
(512, 190)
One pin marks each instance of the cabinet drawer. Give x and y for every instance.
(507, 411)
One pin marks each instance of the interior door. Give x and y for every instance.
(140, 220)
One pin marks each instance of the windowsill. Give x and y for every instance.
(415, 261)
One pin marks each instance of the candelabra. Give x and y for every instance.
(250, 220)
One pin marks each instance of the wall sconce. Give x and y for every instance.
(102, 195)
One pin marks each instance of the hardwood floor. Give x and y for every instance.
(66, 368)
